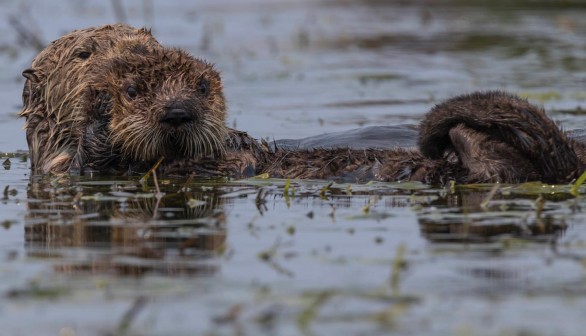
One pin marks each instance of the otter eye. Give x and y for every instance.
(84, 55)
(132, 92)
(203, 87)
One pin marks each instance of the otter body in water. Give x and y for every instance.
(112, 99)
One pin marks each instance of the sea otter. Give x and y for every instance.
(132, 102)
(57, 92)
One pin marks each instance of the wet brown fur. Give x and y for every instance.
(161, 77)
(55, 94)
(77, 116)
(80, 116)
(501, 137)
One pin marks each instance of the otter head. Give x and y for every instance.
(55, 107)
(151, 103)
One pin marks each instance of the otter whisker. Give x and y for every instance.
(208, 142)
(187, 145)
(213, 139)
(217, 135)
(196, 145)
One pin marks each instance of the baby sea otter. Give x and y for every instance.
(112, 99)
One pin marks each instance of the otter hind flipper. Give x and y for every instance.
(500, 136)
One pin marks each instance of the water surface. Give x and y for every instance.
(109, 256)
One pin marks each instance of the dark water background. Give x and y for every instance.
(217, 257)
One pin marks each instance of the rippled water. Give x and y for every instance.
(103, 256)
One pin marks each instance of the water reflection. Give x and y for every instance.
(123, 228)
(484, 216)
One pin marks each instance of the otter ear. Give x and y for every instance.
(31, 75)
(146, 30)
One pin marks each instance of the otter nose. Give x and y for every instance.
(176, 115)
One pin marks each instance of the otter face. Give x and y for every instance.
(163, 103)
(54, 95)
